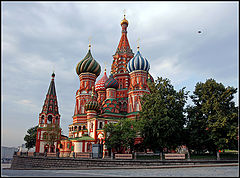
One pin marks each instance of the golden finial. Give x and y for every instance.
(105, 64)
(89, 39)
(124, 20)
(124, 13)
(138, 43)
(53, 74)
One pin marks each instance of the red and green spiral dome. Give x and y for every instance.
(111, 82)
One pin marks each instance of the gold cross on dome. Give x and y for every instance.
(124, 13)
(138, 43)
(89, 39)
(105, 64)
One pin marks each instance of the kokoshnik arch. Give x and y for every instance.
(98, 103)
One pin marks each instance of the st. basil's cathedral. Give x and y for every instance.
(97, 103)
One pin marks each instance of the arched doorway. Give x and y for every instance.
(52, 149)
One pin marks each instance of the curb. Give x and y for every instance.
(138, 167)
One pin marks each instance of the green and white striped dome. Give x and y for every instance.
(88, 64)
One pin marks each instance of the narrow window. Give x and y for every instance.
(100, 125)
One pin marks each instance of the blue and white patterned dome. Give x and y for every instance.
(138, 62)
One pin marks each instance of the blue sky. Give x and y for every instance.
(39, 37)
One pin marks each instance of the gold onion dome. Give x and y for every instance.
(88, 64)
(124, 21)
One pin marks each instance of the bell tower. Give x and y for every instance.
(49, 115)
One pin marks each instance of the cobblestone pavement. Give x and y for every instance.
(228, 171)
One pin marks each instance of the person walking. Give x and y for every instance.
(45, 152)
(57, 151)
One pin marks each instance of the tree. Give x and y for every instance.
(162, 116)
(216, 115)
(52, 134)
(121, 135)
(196, 135)
(30, 138)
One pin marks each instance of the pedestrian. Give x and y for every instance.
(45, 152)
(57, 150)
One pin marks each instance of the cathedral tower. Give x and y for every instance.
(121, 58)
(49, 115)
(88, 70)
(138, 68)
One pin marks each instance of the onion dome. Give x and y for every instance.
(100, 85)
(138, 62)
(111, 82)
(88, 64)
(124, 21)
(92, 104)
(53, 75)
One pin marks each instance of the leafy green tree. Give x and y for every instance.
(30, 138)
(52, 134)
(162, 116)
(196, 133)
(121, 135)
(214, 118)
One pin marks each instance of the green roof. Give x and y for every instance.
(82, 138)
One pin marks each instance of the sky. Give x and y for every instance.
(41, 37)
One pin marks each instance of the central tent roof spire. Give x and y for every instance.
(123, 50)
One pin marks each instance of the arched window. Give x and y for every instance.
(137, 108)
(125, 106)
(57, 120)
(49, 119)
(120, 85)
(42, 120)
(45, 136)
(82, 109)
(84, 127)
(120, 105)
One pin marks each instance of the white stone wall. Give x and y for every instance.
(77, 147)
